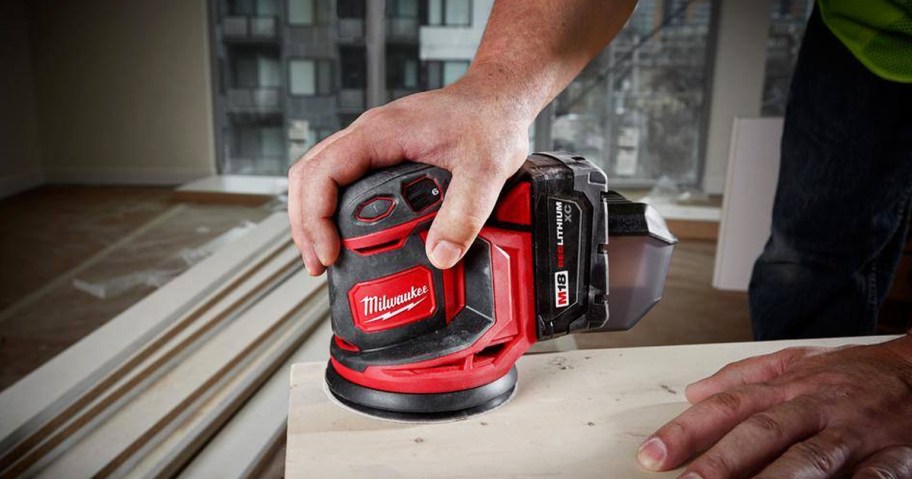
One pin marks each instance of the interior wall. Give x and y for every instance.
(737, 86)
(20, 154)
(123, 90)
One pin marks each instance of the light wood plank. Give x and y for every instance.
(180, 442)
(576, 414)
(241, 446)
(154, 359)
(42, 394)
(113, 442)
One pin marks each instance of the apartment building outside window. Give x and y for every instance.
(442, 73)
(449, 13)
(638, 110)
(309, 12)
(308, 77)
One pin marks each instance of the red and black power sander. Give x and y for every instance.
(413, 342)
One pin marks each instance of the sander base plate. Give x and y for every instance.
(420, 408)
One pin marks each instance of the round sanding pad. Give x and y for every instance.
(420, 408)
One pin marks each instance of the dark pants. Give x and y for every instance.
(843, 200)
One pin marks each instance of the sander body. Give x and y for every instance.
(560, 254)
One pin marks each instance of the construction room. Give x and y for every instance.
(456, 238)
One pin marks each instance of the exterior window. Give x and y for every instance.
(449, 13)
(308, 12)
(310, 77)
(638, 108)
(350, 8)
(402, 9)
(443, 73)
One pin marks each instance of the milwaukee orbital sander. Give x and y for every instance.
(560, 254)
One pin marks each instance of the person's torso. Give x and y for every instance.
(877, 32)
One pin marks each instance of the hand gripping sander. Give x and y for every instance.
(560, 254)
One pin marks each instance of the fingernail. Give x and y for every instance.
(445, 254)
(691, 475)
(652, 453)
(321, 256)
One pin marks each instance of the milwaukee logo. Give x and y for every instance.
(561, 289)
(392, 301)
(378, 304)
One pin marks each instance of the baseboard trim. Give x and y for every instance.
(15, 184)
(126, 176)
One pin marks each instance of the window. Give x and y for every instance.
(402, 67)
(402, 9)
(449, 13)
(255, 69)
(442, 73)
(310, 77)
(787, 23)
(308, 12)
(350, 8)
(638, 109)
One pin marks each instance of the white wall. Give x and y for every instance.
(20, 154)
(123, 90)
(737, 85)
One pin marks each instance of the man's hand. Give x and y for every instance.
(797, 413)
(479, 140)
(476, 128)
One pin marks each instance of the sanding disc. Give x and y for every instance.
(420, 408)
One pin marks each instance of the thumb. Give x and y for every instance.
(469, 201)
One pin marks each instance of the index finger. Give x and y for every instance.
(341, 162)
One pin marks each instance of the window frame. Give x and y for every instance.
(423, 13)
(319, 20)
(317, 65)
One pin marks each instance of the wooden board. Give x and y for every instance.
(232, 189)
(576, 414)
(252, 433)
(112, 443)
(41, 395)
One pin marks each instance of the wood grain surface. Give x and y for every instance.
(576, 414)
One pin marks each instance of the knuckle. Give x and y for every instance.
(875, 472)
(767, 424)
(726, 402)
(823, 459)
(713, 465)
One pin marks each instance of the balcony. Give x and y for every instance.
(254, 100)
(249, 28)
(350, 29)
(351, 100)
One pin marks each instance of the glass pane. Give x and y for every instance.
(637, 109)
(435, 12)
(303, 77)
(269, 72)
(457, 12)
(324, 78)
(272, 142)
(246, 72)
(405, 8)
(301, 12)
(453, 71)
(267, 8)
(434, 75)
(410, 74)
(787, 22)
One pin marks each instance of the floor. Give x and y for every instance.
(82, 255)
